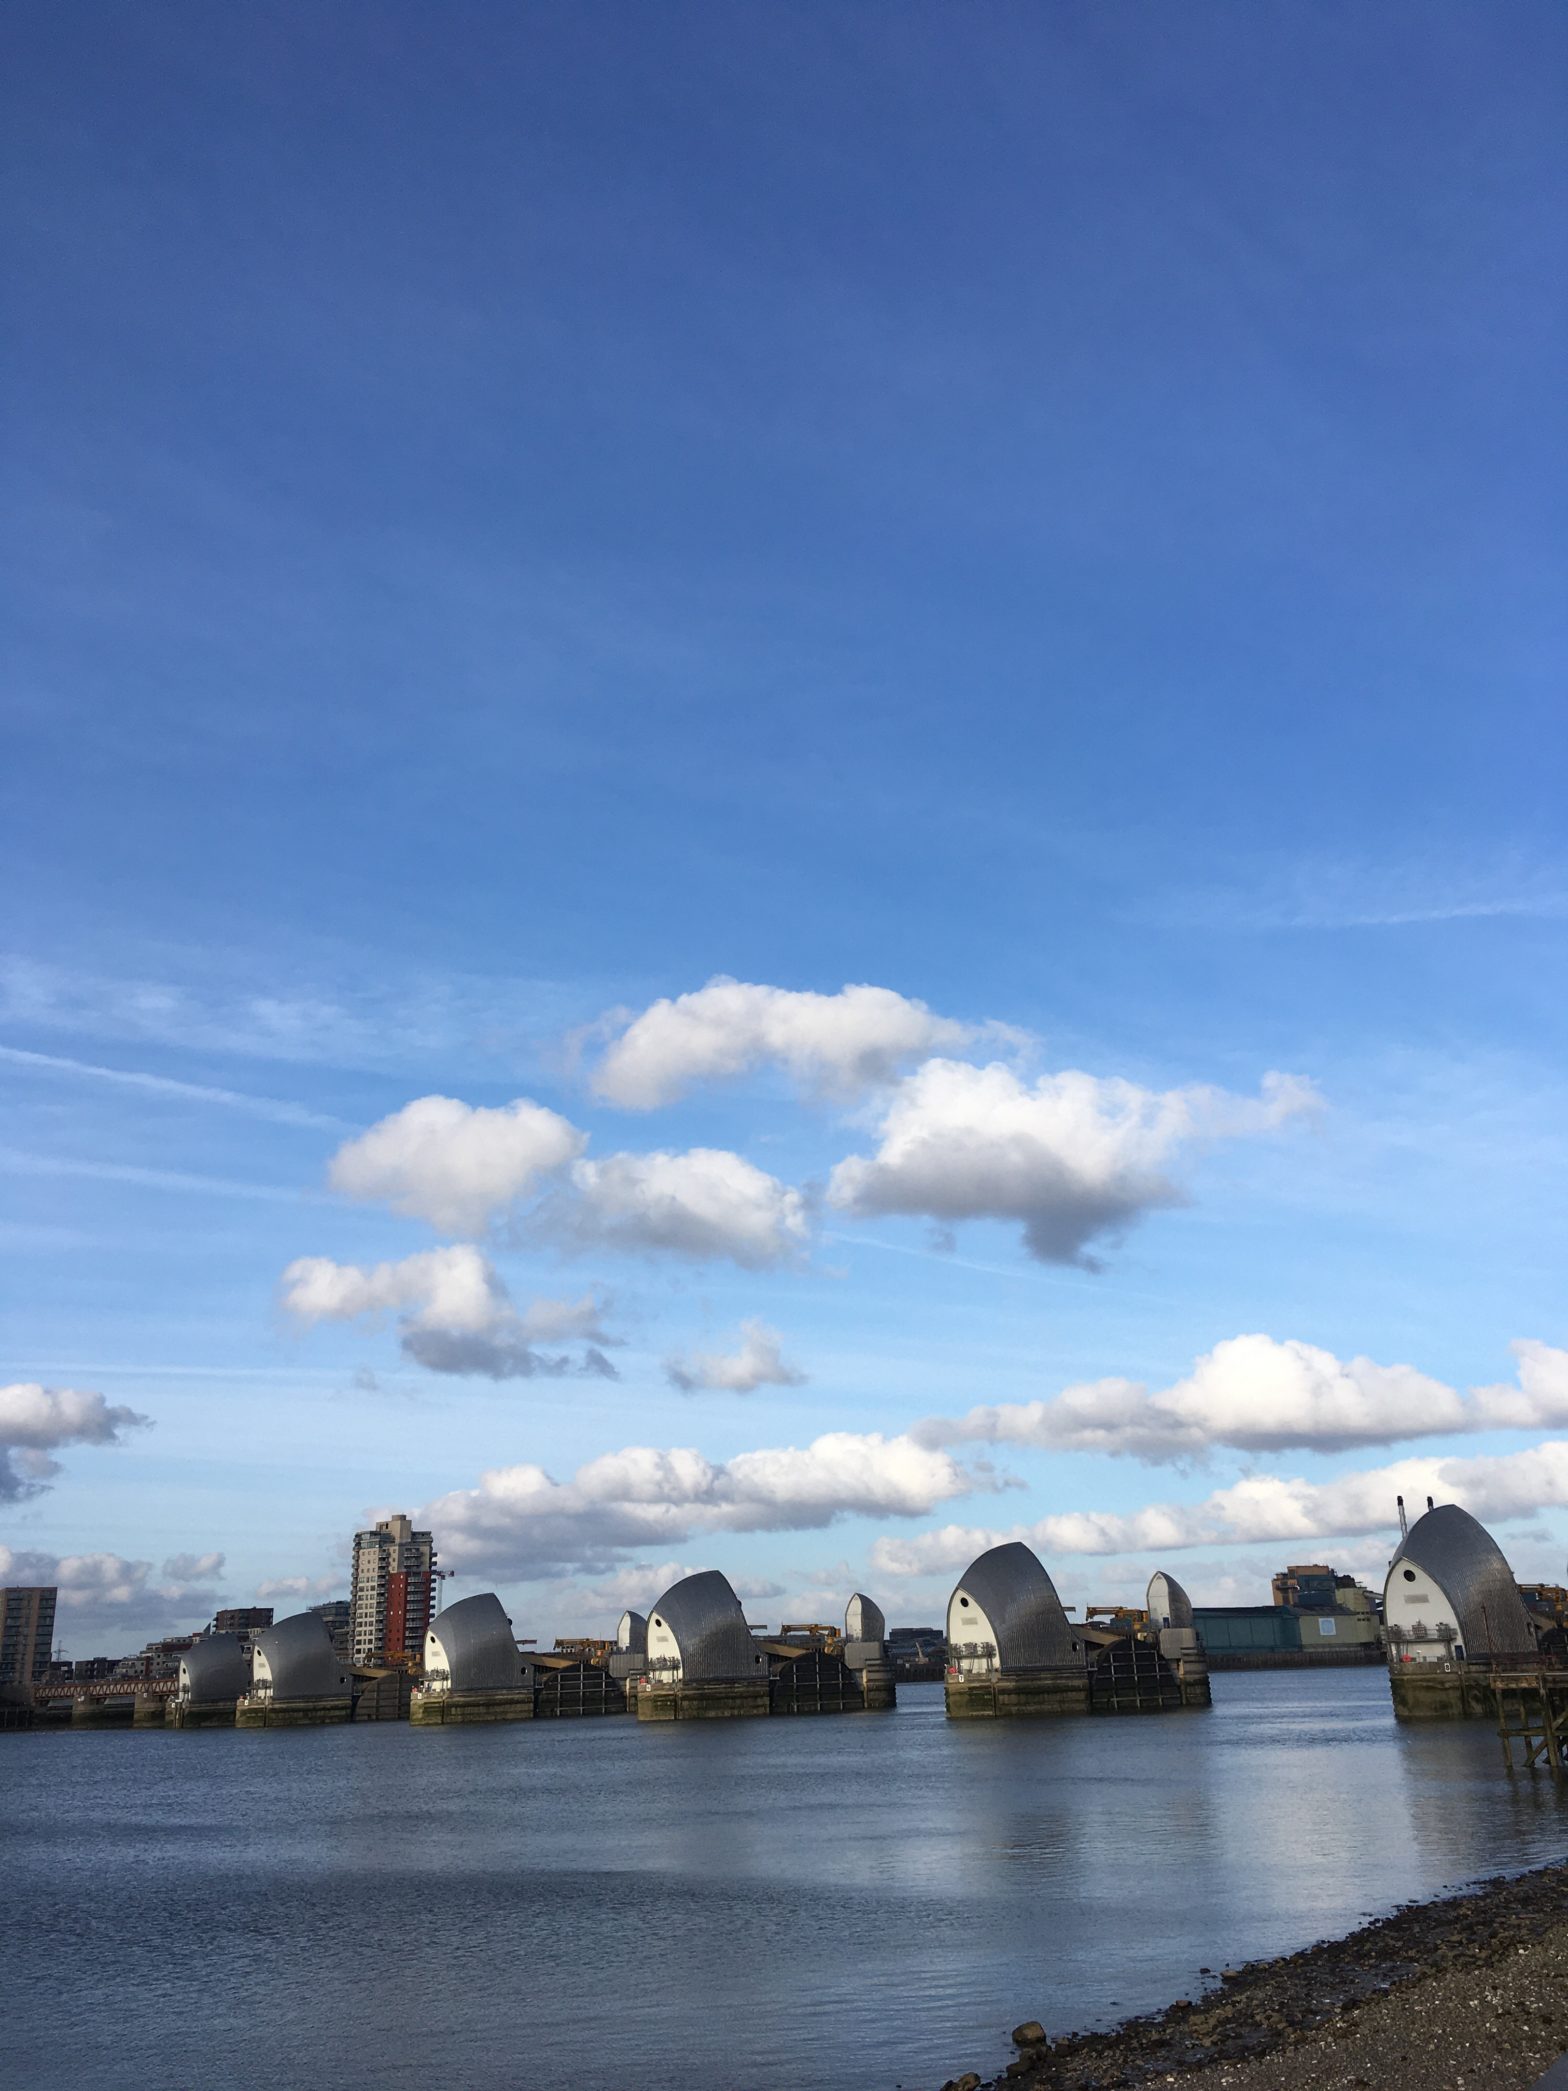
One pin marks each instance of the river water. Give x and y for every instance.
(846, 1904)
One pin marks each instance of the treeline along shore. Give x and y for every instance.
(1470, 1990)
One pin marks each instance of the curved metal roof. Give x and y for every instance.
(705, 1616)
(214, 1669)
(1012, 1588)
(1464, 1559)
(632, 1633)
(1167, 1603)
(302, 1660)
(476, 1638)
(864, 1619)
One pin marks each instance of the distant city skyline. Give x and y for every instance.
(777, 804)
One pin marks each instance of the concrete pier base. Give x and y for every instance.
(150, 1710)
(880, 1691)
(291, 1713)
(212, 1713)
(16, 1706)
(703, 1702)
(443, 1709)
(1018, 1694)
(1440, 1692)
(1195, 1688)
(118, 1712)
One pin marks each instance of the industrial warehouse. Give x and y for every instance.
(1461, 1638)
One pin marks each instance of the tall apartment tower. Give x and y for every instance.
(394, 1577)
(26, 1633)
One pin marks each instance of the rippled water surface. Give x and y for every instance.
(820, 1904)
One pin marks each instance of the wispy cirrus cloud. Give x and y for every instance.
(26, 1163)
(323, 1008)
(277, 1110)
(1344, 894)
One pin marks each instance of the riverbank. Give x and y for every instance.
(1470, 1991)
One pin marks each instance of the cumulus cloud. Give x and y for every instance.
(1072, 1157)
(759, 1362)
(108, 1594)
(299, 1586)
(634, 1587)
(1538, 1402)
(464, 1169)
(841, 1043)
(1261, 1507)
(456, 1314)
(1259, 1395)
(36, 1421)
(456, 1165)
(704, 1204)
(518, 1521)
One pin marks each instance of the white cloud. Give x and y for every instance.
(110, 1595)
(842, 1043)
(759, 1362)
(457, 1314)
(36, 1421)
(634, 1587)
(457, 1165)
(1539, 1402)
(1259, 1395)
(463, 1168)
(518, 1521)
(451, 1288)
(703, 1204)
(1072, 1157)
(1261, 1507)
(299, 1586)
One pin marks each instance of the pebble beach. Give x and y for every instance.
(1468, 1991)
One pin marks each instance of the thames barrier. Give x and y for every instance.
(1462, 1643)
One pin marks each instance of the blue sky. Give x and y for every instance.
(1055, 513)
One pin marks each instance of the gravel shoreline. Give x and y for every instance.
(1470, 1991)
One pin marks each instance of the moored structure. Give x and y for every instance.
(818, 1669)
(866, 1652)
(1454, 1616)
(1011, 1649)
(631, 1643)
(629, 1656)
(1174, 1633)
(296, 1678)
(702, 1663)
(474, 1670)
(213, 1672)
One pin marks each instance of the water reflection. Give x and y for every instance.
(830, 1903)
